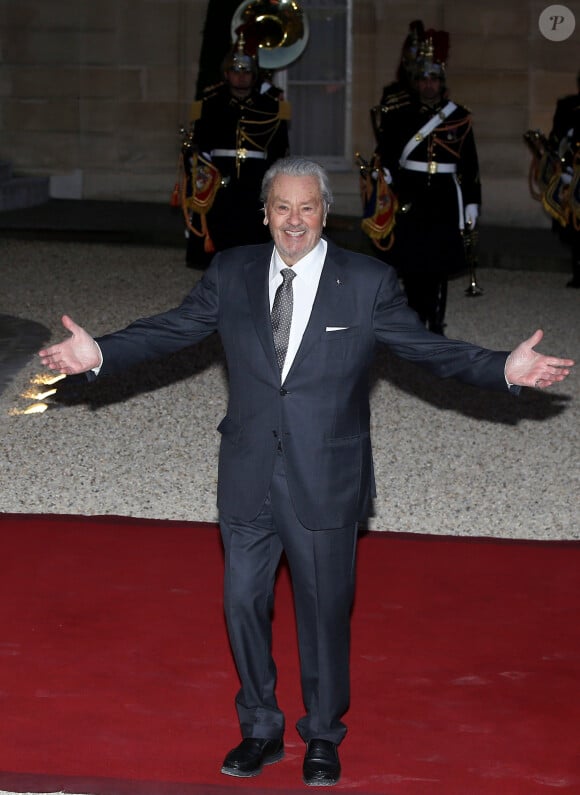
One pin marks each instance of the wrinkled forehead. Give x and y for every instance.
(294, 189)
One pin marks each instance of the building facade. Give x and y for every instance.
(93, 92)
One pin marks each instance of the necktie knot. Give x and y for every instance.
(287, 275)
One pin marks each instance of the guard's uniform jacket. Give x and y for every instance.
(242, 139)
(566, 117)
(395, 95)
(432, 158)
(565, 139)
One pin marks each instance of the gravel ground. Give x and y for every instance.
(449, 459)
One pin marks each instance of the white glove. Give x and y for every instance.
(471, 215)
(386, 173)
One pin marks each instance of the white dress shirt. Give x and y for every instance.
(304, 287)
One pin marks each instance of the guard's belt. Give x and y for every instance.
(241, 153)
(432, 167)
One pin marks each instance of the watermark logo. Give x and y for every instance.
(557, 23)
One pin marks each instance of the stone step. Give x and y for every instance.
(5, 171)
(19, 192)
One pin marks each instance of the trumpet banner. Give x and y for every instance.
(544, 163)
(379, 207)
(200, 183)
(549, 169)
(550, 185)
(556, 199)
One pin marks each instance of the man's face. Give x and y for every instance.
(296, 215)
(240, 82)
(429, 88)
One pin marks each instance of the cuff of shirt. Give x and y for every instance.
(96, 370)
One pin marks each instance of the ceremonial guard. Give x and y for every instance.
(426, 150)
(237, 132)
(564, 139)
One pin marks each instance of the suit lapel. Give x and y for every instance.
(331, 302)
(256, 275)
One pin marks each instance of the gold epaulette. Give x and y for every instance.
(395, 97)
(394, 103)
(195, 112)
(213, 88)
(284, 110)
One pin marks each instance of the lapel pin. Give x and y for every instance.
(339, 282)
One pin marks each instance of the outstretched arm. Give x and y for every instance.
(77, 354)
(527, 367)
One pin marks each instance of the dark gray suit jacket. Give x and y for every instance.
(321, 412)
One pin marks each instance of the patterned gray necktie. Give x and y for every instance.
(282, 315)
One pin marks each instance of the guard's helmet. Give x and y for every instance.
(433, 54)
(238, 59)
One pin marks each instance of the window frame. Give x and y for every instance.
(341, 160)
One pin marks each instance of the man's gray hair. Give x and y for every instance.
(297, 167)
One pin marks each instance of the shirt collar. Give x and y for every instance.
(309, 267)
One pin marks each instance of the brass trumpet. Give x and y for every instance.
(280, 27)
(470, 238)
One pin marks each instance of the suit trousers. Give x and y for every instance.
(322, 570)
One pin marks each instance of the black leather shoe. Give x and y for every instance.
(249, 757)
(321, 764)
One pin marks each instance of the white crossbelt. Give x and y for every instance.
(431, 167)
(426, 130)
(241, 153)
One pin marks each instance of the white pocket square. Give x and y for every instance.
(336, 328)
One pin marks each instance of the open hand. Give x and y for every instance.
(527, 367)
(77, 354)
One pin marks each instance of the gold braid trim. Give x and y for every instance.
(188, 212)
(454, 125)
(243, 137)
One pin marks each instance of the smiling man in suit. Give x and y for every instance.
(299, 321)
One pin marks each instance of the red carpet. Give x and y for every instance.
(116, 677)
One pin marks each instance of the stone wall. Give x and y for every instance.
(500, 66)
(92, 92)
